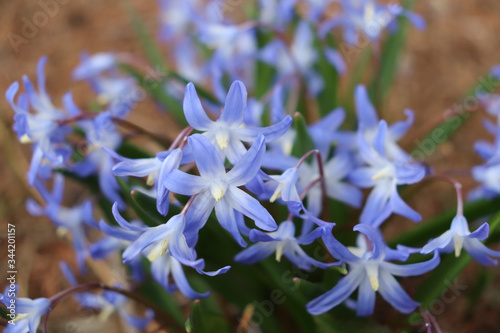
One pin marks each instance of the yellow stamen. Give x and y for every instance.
(372, 271)
(25, 139)
(279, 250)
(150, 181)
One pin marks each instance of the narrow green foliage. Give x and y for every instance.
(327, 99)
(134, 198)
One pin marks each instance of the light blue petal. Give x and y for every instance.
(366, 299)
(220, 271)
(392, 292)
(362, 177)
(251, 208)
(227, 219)
(345, 193)
(344, 288)
(412, 269)
(375, 236)
(193, 111)
(480, 233)
(197, 216)
(141, 167)
(379, 140)
(409, 173)
(376, 206)
(399, 129)
(152, 235)
(480, 253)
(183, 183)
(248, 166)
(400, 207)
(438, 243)
(271, 133)
(235, 104)
(118, 233)
(366, 113)
(122, 222)
(207, 159)
(182, 283)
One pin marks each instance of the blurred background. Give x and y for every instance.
(460, 44)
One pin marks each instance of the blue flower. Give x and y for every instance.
(29, 312)
(217, 189)
(107, 303)
(298, 59)
(277, 13)
(155, 169)
(384, 176)
(487, 174)
(100, 134)
(284, 186)
(40, 127)
(116, 92)
(156, 241)
(67, 220)
(370, 271)
(226, 134)
(459, 236)
(325, 132)
(283, 242)
(368, 18)
(369, 122)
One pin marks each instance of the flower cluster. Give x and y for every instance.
(253, 166)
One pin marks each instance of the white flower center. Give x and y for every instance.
(218, 189)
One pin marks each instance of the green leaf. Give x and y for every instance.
(303, 142)
(156, 294)
(441, 279)
(156, 90)
(203, 320)
(129, 150)
(264, 73)
(196, 319)
(389, 59)
(155, 56)
(136, 199)
(327, 99)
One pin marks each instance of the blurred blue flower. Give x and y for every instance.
(41, 127)
(67, 220)
(107, 303)
(117, 93)
(367, 19)
(29, 312)
(100, 134)
(384, 176)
